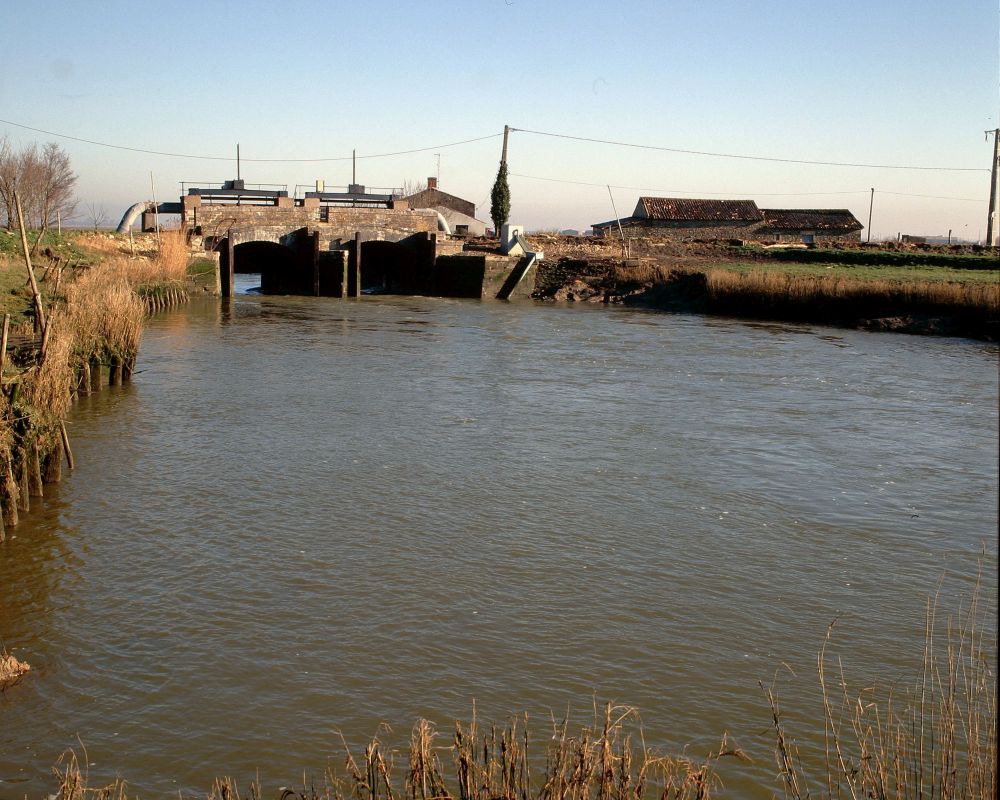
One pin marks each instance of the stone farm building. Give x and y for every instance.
(793, 224)
(460, 214)
(683, 218)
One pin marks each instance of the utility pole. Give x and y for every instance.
(871, 206)
(237, 161)
(503, 156)
(993, 217)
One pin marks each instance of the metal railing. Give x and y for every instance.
(302, 188)
(274, 187)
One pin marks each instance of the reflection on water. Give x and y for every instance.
(306, 516)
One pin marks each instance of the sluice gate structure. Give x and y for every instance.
(332, 244)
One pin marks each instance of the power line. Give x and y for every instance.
(255, 160)
(745, 157)
(740, 194)
(679, 191)
(932, 196)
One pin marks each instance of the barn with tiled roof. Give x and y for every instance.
(791, 224)
(689, 218)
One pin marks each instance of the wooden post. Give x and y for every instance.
(85, 379)
(345, 274)
(65, 442)
(227, 279)
(23, 503)
(128, 366)
(8, 499)
(34, 472)
(36, 295)
(96, 376)
(115, 372)
(45, 342)
(53, 464)
(357, 264)
(315, 260)
(3, 346)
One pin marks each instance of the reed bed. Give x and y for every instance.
(173, 257)
(94, 326)
(643, 273)
(105, 315)
(606, 761)
(935, 739)
(769, 289)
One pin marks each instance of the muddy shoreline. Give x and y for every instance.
(688, 284)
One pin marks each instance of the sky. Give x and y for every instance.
(880, 82)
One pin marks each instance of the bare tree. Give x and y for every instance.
(49, 181)
(56, 181)
(8, 181)
(97, 214)
(44, 180)
(27, 181)
(412, 187)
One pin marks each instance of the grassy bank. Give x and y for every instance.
(910, 299)
(84, 330)
(957, 258)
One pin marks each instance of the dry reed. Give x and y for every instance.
(607, 761)
(936, 740)
(769, 289)
(45, 387)
(11, 668)
(172, 258)
(105, 314)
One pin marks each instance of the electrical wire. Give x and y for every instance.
(740, 194)
(679, 191)
(745, 157)
(933, 196)
(253, 160)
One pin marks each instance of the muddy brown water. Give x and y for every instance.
(306, 517)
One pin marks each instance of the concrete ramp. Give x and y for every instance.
(517, 275)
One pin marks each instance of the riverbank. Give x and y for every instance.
(73, 317)
(887, 288)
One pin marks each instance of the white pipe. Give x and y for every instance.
(442, 222)
(131, 216)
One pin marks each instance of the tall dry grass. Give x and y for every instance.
(104, 313)
(155, 261)
(45, 387)
(769, 289)
(608, 761)
(172, 258)
(642, 273)
(935, 739)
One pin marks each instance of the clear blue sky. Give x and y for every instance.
(873, 82)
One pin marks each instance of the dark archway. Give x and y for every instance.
(282, 270)
(393, 267)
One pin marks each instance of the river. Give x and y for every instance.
(311, 516)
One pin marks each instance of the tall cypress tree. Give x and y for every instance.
(500, 199)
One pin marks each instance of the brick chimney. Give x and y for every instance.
(432, 183)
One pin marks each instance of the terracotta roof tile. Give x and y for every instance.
(827, 220)
(677, 208)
